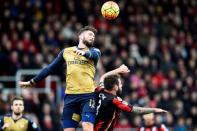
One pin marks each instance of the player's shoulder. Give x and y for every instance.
(30, 122)
(70, 48)
(95, 49)
(6, 115)
(27, 118)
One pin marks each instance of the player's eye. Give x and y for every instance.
(91, 34)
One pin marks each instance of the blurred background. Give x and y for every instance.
(157, 39)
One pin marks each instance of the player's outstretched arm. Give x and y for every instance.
(120, 70)
(52, 67)
(144, 110)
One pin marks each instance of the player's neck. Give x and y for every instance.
(81, 45)
(113, 92)
(16, 117)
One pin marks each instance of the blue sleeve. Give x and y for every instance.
(32, 126)
(51, 68)
(93, 53)
(1, 123)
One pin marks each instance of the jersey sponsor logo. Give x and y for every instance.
(80, 62)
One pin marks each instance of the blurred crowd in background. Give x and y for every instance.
(156, 39)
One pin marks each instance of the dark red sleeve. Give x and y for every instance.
(123, 105)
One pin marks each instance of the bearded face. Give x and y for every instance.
(87, 38)
(17, 107)
(119, 91)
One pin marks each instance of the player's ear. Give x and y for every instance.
(80, 36)
(23, 108)
(115, 87)
(11, 107)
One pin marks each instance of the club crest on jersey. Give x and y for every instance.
(22, 126)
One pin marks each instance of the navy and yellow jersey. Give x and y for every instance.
(22, 124)
(80, 70)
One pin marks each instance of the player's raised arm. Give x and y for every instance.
(52, 67)
(120, 70)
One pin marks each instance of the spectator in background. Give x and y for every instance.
(181, 125)
(150, 124)
(146, 35)
(17, 120)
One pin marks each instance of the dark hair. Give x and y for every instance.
(110, 81)
(87, 28)
(17, 98)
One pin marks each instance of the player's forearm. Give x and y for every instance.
(44, 73)
(52, 67)
(113, 72)
(142, 110)
(93, 54)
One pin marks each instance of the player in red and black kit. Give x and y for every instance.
(110, 105)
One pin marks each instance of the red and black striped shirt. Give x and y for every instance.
(108, 110)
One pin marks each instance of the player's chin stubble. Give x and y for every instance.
(87, 43)
(17, 113)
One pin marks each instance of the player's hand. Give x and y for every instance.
(123, 69)
(5, 126)
(79, 52)
(158, 110)
(26, 84)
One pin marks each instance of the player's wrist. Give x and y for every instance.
(118, 70)
(83, 53)
(32, 82)
(87, 53)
